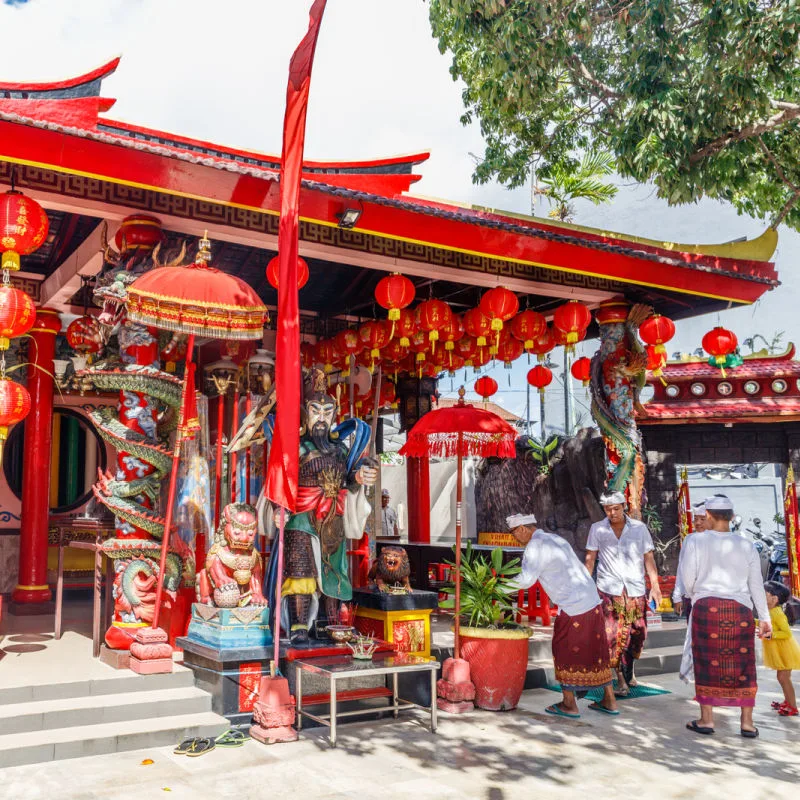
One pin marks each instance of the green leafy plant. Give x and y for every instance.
(697, 98)
(486, 584)
(652, 519)
(541, 452)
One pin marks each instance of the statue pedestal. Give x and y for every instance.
(229, 650)
(224, 628)
(403, 620)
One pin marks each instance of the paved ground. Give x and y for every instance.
(644, 753)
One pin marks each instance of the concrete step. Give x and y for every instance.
(97, 709)
(110, 737)
(120, 682)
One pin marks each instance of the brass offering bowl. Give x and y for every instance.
(340, 633)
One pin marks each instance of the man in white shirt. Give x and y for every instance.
(622, 548)
(679, 598)
(580, 648)
(721, 575)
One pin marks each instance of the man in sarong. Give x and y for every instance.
(721, 575)
(580, 648)
(622, 548)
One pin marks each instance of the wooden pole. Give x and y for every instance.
(220, 433)
(173, 483)
(248, 407)
(276, 654)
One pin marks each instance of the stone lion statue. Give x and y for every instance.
(391, 569)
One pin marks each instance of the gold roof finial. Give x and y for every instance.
(204, 249)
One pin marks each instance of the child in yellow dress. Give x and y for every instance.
(781, 651)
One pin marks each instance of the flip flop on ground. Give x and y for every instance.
(749, 734)
(199, 747)
(603, 710)
(231, 738)
(693, 726)
(184, 746)
(557, 711)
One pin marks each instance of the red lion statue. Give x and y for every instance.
(233, 574)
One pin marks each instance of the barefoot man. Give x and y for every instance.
(580, 648)
(623, 550)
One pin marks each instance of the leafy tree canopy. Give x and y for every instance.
(701, 97)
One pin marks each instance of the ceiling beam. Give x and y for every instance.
(87, 260)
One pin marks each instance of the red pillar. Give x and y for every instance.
(32, 585)
(419, 500)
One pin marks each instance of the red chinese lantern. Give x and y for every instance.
(388, 394)
(307, 354)
(467, 348)
(420, 345)
(347, 343)
(326, 354)
(394, 351)
(720, 344)
(374, 335)
(455, 363)
(656, 331)
(138, 232)
(528, 326)
(499, 305)
(485, 387)
(395, 292)
(23, 227)
(510, 350)
(477, 324)
(581, 370)
(543, 344)
(405, 326)
(539, 377)
(15, 403)
(452, 333)
(272, 272)
(83, 336)
(655, 360)
(17, 314)
(572, 319)
(433, 316)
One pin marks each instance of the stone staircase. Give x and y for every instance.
(122, 711)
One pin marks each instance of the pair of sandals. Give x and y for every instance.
(784, 709)
(198, 746)
(705, 731)
(557, 711)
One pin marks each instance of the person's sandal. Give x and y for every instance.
(788, 711)
(693, 726)
(749, 734)
(184, 746)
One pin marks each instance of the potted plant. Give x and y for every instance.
(493, 644)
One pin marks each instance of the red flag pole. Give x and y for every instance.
(459, 490)
(173, 483)
(275, 668)
(218, 476)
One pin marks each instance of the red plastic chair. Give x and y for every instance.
(538, 605)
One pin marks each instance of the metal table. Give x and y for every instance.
(341, 667)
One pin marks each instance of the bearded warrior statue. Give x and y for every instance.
(331, 508)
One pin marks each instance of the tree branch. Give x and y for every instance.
(786, 209)
(778, 168)
(604, 92)
(787, 112)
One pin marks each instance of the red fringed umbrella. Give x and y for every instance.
(196, 300)
(460, 430)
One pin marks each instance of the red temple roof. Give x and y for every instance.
(764, 388)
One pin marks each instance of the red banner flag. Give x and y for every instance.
(282, 470)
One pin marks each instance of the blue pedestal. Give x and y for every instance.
(230, 628)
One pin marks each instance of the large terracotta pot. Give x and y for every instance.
(498, 661)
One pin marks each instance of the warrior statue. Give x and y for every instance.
(331, 508)
(617, 377)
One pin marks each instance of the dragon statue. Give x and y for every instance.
(138, 428)
(617, 377)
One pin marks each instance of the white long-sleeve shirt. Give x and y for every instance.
(551, 560)
(723, 565)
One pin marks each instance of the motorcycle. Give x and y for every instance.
(771, 551)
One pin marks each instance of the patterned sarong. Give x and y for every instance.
(580, 651)
(626, 628)
(723, 650)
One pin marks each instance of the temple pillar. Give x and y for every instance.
(419, 500)
(32, 588)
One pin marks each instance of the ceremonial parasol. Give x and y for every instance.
(460, 430)
(196, 300)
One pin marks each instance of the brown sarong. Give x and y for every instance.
(626, 628)
(580, 651)
(723, 651)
